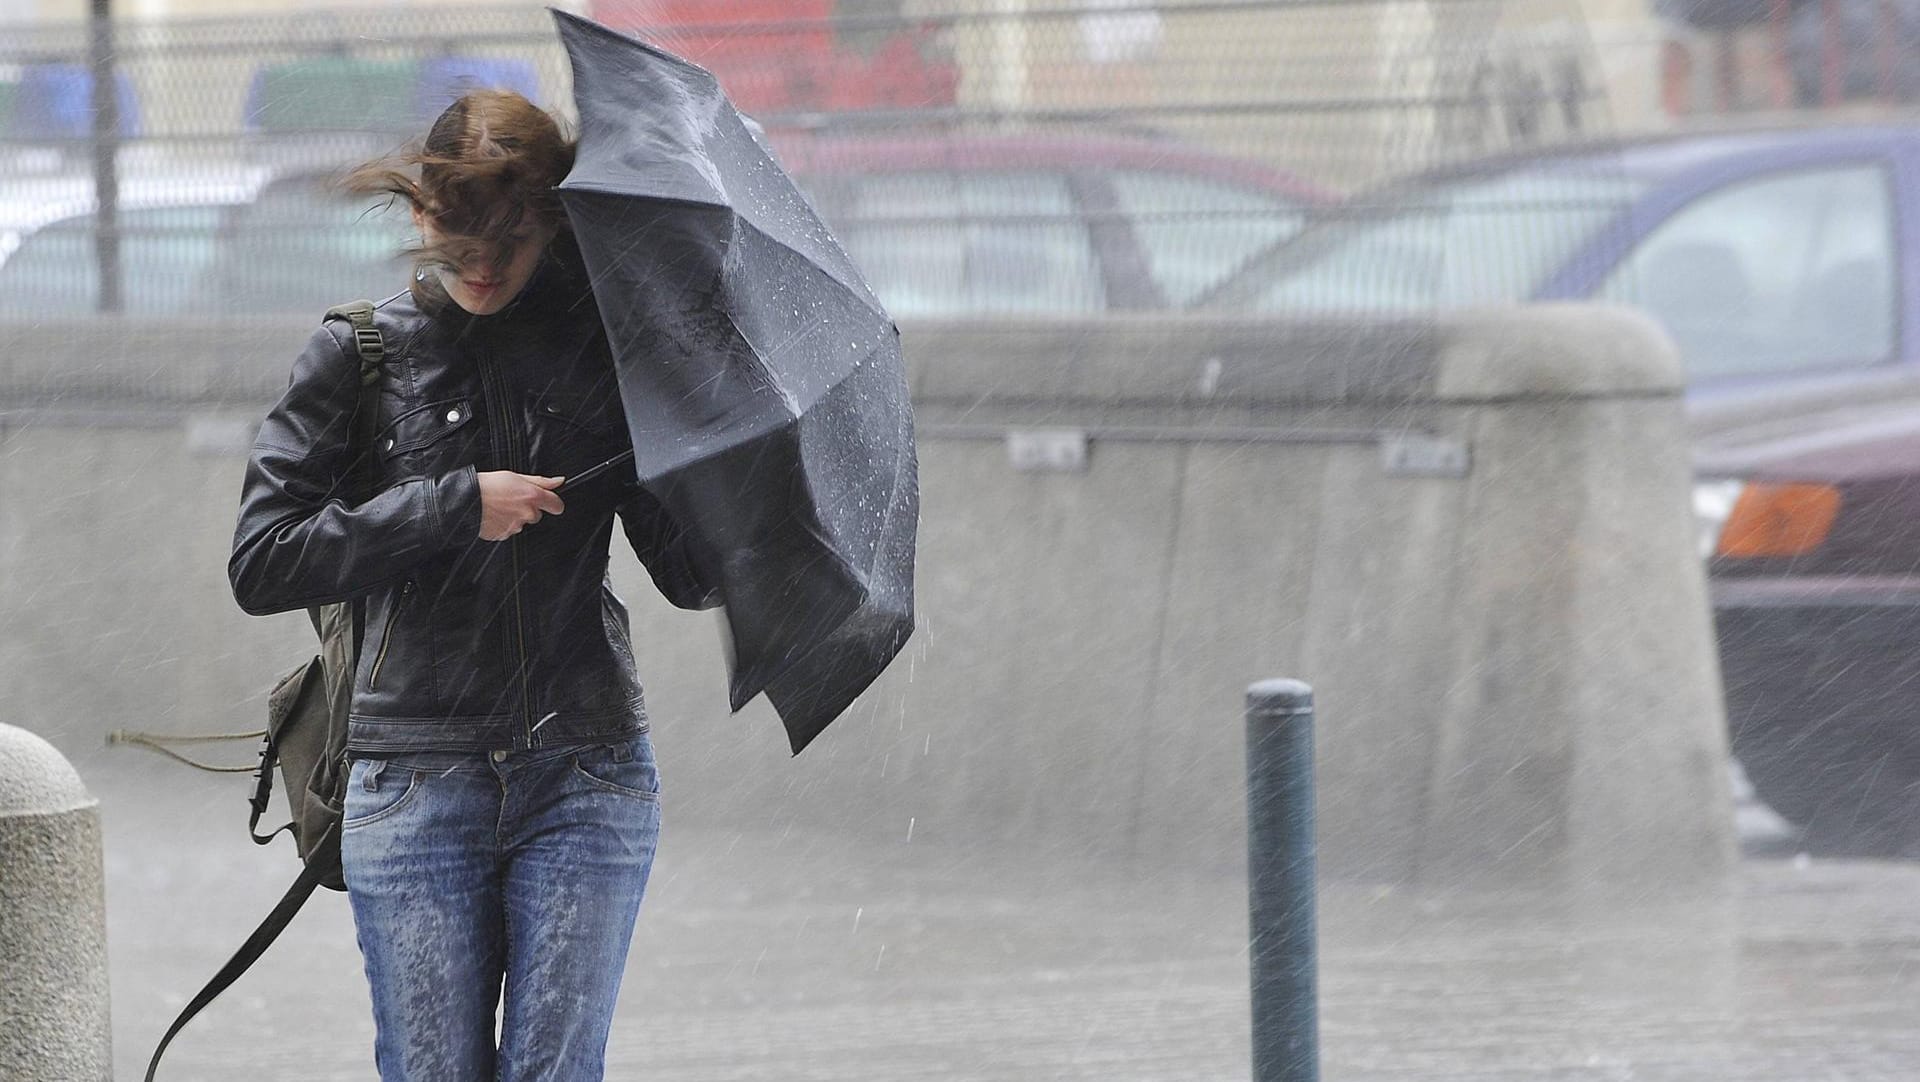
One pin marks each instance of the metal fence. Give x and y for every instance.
(1005, 156)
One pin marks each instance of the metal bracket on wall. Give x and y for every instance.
(1048, 450)
(1418, 454)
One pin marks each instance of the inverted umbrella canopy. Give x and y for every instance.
(761, 377)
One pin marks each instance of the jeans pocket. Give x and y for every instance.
(377, 790)
(626, 768)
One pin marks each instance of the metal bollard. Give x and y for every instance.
(54, 1024)
(1280, 882)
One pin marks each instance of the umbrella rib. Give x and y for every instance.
(586, 25)
(786, 394)
(759, 364)
(590, 188)
(869, 300)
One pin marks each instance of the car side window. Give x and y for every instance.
(163, 251)
(1794, 272)
(1028, 248)
(903, 231)
(935, 243)
(1195, 233)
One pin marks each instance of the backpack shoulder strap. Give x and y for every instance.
(372, 350)
(366, 336)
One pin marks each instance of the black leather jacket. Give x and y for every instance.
(469, 644)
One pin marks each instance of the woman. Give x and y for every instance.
(503, 801)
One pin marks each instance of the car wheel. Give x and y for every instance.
(1820, 712)
(1848, 791)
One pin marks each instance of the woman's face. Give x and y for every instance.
(485, 286)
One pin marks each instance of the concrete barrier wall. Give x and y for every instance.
(1515, 672)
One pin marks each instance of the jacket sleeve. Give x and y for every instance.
(299, 542)
(668, 553)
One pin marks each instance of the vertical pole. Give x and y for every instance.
(1726, 71)
(1280, 882)
(1833, 57)
(1786, 93)
(106, 136)
(1008, 78)
(1888, 27)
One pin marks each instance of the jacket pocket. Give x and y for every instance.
(424, 426)
(590, 415)
(627, 772)
(386, 635)
(393, 790)
(574, 432)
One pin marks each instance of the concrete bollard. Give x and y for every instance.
(1284, 954)
(53, 923)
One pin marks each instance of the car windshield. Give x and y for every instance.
(1475, 240)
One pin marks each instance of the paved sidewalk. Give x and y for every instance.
(770, 957)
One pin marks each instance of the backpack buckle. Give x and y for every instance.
(367, 340)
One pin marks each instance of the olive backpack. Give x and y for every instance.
(306, 734)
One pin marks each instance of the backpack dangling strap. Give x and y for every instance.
(249, 952)
(373, 354)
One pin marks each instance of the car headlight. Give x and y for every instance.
(1713, 503)
(1755, 520)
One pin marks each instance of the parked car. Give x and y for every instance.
(173, 226)
(955, 226)
(968, 225)
(1781, 261)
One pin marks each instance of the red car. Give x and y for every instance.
(969, 225)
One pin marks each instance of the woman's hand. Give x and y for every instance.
(510, 502)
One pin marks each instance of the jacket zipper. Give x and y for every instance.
(506, 435)
(386, 637)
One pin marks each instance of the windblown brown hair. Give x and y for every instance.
(488, 164)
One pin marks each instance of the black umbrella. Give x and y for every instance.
(762, 378)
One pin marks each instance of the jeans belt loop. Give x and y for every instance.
(623, 752)
(371, 782)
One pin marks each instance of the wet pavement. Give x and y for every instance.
(789, 955)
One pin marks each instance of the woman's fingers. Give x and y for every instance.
(510, 502)
(544, 498)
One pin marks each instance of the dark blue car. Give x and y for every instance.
(1766, 254)
(1785, 264)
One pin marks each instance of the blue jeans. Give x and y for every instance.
(467, 869)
